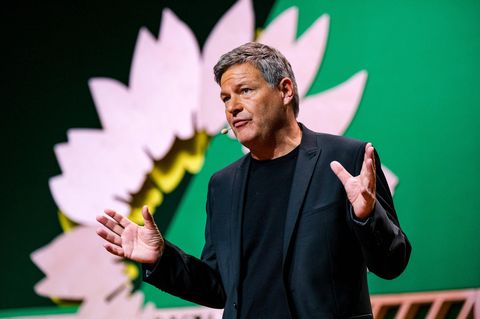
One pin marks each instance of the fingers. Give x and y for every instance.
(149, 222)
(114, 242)
(115, 250)
(342, 174)
(110, 236)
(369, 154)
(110, 224)
(123, 221)
(368, 167)
(112, 230)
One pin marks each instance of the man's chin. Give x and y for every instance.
(246, 136)
(245, 141)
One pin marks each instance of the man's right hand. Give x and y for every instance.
(128, 240)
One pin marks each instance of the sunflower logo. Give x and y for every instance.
(155, 133)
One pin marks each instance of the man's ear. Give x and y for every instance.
(286, 89)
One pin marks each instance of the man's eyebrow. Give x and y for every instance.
(243, 82)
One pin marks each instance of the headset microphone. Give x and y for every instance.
(225, 130)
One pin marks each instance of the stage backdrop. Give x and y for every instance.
(114, 105)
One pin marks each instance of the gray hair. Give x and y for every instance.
(269, 61)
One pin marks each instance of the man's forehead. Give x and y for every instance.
(240, 72)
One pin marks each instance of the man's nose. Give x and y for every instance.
(234, 106)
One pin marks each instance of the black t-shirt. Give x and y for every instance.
(262, 293)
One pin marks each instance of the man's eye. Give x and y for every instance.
(246, 90)
(225, 99)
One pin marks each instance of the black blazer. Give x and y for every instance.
(326, 251)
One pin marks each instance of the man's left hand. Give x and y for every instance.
(360, 189)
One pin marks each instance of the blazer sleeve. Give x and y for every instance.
(187, 277)
(384, 245)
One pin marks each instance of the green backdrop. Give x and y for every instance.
(420, 109)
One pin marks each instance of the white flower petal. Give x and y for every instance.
(332, 111)
(281, 32)
(114, 105)
(164, 83)
(235, 28)
(70, 274)
(102, 168)
(306, 54)
(123, 305)
(392, 179)
(179, 60)
(143, 69)
(99, 171)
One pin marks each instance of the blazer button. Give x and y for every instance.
(235, 305)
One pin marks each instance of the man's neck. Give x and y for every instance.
(279, 145)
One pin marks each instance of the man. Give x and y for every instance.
(290, 232)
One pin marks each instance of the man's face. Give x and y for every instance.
(254, 109)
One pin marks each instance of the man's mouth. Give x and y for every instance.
(240, 123)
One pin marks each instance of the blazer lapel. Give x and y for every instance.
(238, 188)
(307, 158)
